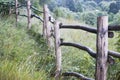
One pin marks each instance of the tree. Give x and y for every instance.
(114, 7)
(89, 18)
(91, 5)
(71, 5)
(52, 5)
(78, 7)
(104, 5)
(42, 2)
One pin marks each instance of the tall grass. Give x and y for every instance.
(23, 54)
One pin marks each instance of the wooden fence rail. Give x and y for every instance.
(89, 28)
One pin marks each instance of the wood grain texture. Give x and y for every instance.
(46, 26)
(102, 48)
(57, 51)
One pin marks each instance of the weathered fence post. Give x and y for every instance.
(45, 19)
(57, 51)
(102, 48)
(29, 14)
(10, 11)
(46, 26)
(16, 11)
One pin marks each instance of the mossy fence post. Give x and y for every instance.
(102, 48)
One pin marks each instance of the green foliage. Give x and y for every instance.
(63, 12)
(89, 18)
(104, 5)
(71, 5)
(42, 2)
(79, 7)
(53, 5)
(115, 19)
(114, 7)
(91, 5)
(5, 7)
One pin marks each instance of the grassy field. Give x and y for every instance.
(24, 54)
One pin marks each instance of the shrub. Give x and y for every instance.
(104, 5)
(63, 12)
(5, 7)
(89, 18)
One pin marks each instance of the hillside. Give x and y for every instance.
(25, 55)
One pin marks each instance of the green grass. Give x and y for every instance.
(23, 54)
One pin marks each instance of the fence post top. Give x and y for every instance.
(102, 17)
(45, 5)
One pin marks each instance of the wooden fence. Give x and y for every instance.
(102, 55)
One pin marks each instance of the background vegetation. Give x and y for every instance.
(24, 54)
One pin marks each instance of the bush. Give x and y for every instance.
(114, 7)
(63, 12)
(91, 5)
(115, 18)
(89, 18)
(104, 5)
(5, 7)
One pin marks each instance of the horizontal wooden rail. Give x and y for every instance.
(78, 75)
(114, 54)
(114, 28)
(33, 15)
(23, 15)
(79, 46)
(89, 50)
(88, 28)
(36, 16)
